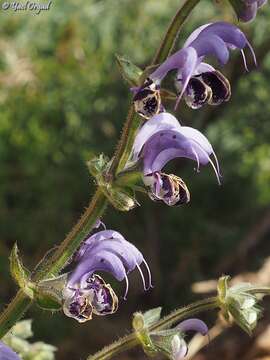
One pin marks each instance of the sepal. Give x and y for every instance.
(129, 71)
(120, 196)
(19, 273)
(169, 342)
(49, 293)
(239, 304)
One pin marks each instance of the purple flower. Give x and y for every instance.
(86, 293)
(199, 82)
(179, 346)
(162, 139)
(6, 353)
(171, 341)
(246, 10)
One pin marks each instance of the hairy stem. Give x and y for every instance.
(173, 31)
(96, 208)
(133, 120)
(59, 258)
(131, 340)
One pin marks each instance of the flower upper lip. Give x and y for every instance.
(162, 138)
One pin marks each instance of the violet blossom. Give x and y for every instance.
(246, 10)
(199, 82)
(86, 293)
(171, 342)
(162, 139)
(6, 353)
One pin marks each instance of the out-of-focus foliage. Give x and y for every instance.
(62, 100)
(18, 337)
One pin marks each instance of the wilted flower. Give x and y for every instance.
(6, 353)
(246, 10)
(86, 293)
(162, 139)
(199, 82)
(169, 342)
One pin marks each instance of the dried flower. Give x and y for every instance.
(86, 293)
(162, 139)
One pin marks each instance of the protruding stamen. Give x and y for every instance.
(197, 160)
(211, 162)
(149, 274)
(217, 164)
(244, 59)
(142, 276)
(127, 287)
(252, 52)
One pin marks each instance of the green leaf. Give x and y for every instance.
(19, 273)
(152, 316)
(129, 71)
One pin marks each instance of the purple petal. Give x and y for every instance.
(6, 353)
(103, 261)
(185, 59)
(248, 12)
(195, 34)
(113, 241)
(169, 144)
(162, 121)
(193, 325)
(229, 33)
(261, 3)
(179, 348)
(211, 44)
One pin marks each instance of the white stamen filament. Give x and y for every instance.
(197, 159)
(252, 52)
(149, 274)
(211, 162)
(142, 276)
(244, 59)
(127, 286)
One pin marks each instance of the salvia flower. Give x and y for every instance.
(172, 342)
(86, 293)
(246, 10)
(199, 82)
(6, 353)
(162, 139)
(169, 342)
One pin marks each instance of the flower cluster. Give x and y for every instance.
(85, 292)
(199, 82)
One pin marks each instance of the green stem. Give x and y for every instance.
(173, 31)
(133, 120)
(130, 341)
(21, 302)
(15, 310)
(96, 208)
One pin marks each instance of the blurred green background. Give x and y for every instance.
(62, 100)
